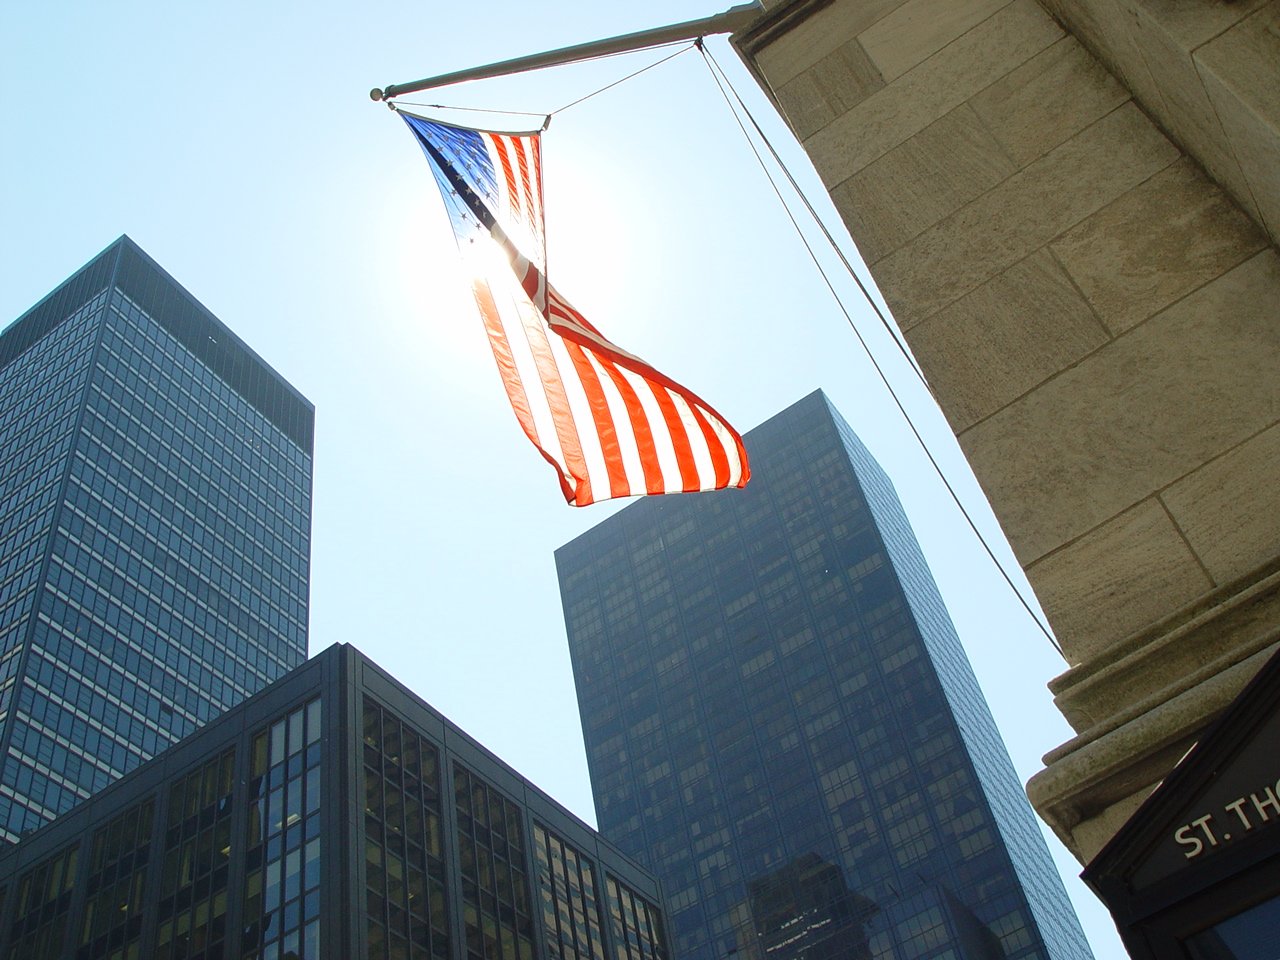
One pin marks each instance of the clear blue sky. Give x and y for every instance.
(237, 144)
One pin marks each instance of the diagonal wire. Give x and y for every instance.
(444, 106)
(717, 75)
(884, 321)
(630, 76)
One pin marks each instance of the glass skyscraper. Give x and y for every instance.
(155, 518)
(781, 723)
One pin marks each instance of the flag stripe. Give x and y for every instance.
(534, 145)
(555, 400)
(714, 448)
(628, 444)
(602, 417)
(526, 192)
(646, 446)
(679, 438)
(511, 381)
(593, 455)
(512, 196)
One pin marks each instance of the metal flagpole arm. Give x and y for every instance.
(725, 22)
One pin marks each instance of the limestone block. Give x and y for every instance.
(1136, 415)
(1004, 338)
(930, 90)
(1192, 24)
(1116, 579)
(1229, 509)
(1181, 105)
(1105, 27)
(1241, 71)
(917, 183)
(1149, 45)
(815, 31)
(918, 29)
(1047, 100)
(836, 83)
(1155, 244)
(1022, 214)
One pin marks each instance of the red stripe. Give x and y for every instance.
(679, 438)
(646, 448)
(719, 458)
(687, 464)
(526, 193)
(511, 381)
(535, 147)
(564, 319)
(557, 403)
(575, 484)
(602, 416)
(504, 160)
(531, 282)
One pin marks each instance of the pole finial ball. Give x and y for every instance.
(375, 94)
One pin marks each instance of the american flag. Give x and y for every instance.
(610, 424)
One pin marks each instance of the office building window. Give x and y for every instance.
(495, 883)
(282, 883)
(570, 904)
(406, 910)
(43, 899)
(637, 926)
(115, 894)
(197, 841)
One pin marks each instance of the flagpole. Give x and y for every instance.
(725, 22)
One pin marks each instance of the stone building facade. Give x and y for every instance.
(1073, 210)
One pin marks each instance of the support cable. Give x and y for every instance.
(714, 65)
(717, 74)
(631, 76)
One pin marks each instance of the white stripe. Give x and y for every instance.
(532, 189)
(627, 444)
(730, 446)
(503, 211)
(701, 451)
(667, 462)
(510, 212)
(697, 443)
(511, 301)
(584, 423)
(568, 321)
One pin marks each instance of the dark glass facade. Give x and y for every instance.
(780, 721)
(155, 517)
(332, 816)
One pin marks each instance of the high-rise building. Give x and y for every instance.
(781, 723)
(155, 523)
(334, 815)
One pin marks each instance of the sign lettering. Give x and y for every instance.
(1237, 819)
